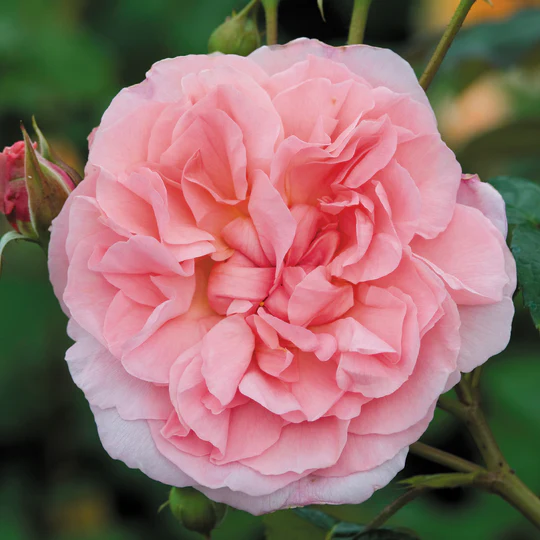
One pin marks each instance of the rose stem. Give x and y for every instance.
(358, 21)
(248, 8)
(444, 458)
(395, 506)
(447, 39)
(499, 478)
(271, 17)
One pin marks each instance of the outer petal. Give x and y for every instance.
(106, 384)
(379, 67)
(484, 197)
(132, 443)
(365, 452)
(469, 257)
(58, 259)
(352, 489)
(485, 330)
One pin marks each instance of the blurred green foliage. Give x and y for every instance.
(63, 60)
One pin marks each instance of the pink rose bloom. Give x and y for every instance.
(272, 271)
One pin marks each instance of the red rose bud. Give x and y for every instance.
(34, 184)
(13, 193)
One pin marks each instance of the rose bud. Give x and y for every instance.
(34, 184)
(13, 192)
(239, 34)
(195, 511)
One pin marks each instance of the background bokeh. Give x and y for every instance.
(63, 60)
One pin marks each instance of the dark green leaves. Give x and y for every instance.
(316, 517)
(522, 199)
(349, 531)
(6, 239)
(526, 250)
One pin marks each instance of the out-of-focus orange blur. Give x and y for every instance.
(481, 107)
(437, 13)
(486, 103)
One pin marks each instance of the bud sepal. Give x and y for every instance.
(239, 34)
(34, 185)
(195, 511)
(6, 239)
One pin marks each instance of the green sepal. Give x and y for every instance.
(352, 531)
(47, 191)
(42, 145)
(239, 34)
(345, 531)
(48, 153)
(195, 511)
(316, 517)
(440, 481)
(321, 9)
(6, 239)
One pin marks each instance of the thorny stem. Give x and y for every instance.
(445, 43)
(358, 21)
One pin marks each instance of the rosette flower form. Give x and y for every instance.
(273, 269)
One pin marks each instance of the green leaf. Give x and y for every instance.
(345, 531)
(387, 534)
(522, 198)
(316, 517)
(352, 531)
(526, 249)
(321, 9)
(6, 239)
(440, 481)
